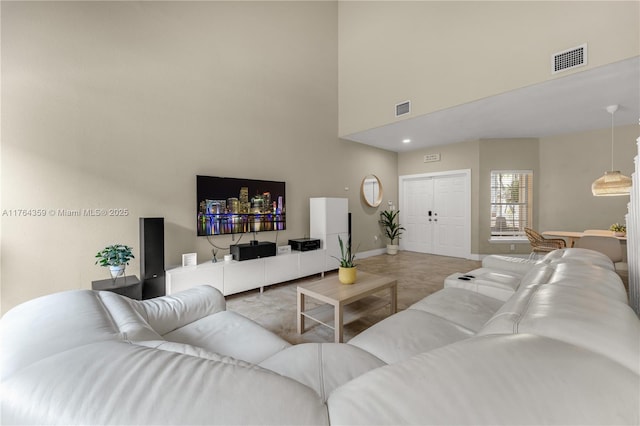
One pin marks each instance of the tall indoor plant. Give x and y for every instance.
(392, 229)
(116, 257)
(347, 270)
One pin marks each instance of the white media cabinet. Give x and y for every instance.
(329, 219)
(235, 277)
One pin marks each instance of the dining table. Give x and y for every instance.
(572, 236)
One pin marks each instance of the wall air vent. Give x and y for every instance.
(403, 108)
(568, 59)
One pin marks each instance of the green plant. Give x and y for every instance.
(346, 257)
(392, 228)
(616, 227)
(115, 255)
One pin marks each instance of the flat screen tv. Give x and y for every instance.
(234, 206)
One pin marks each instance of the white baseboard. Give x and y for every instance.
(472, 256)
(369, 253)
(476, 256)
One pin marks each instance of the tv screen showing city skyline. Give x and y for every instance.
(232, 206)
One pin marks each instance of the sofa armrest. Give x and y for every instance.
(167, 313)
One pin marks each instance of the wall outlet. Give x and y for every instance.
(512, 247)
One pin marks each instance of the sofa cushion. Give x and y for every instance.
(231, 334)
(459, 306)
(493, 380)
(117, 383)
(408, 333)
(322, 366)
(579, 316)
(183, 348)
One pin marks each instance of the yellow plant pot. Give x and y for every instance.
(347, 275)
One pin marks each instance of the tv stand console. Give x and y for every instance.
(238, 276)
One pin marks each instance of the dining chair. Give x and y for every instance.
(540, 244)
(607, 245)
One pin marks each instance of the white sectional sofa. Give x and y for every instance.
(563, 348)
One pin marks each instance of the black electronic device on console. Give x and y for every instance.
(304, 244)
(253, 251)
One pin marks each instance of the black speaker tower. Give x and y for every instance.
(152, 257)
(349, 226)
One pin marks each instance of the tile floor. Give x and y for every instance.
(418, 275)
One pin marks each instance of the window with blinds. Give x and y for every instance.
(511, 202)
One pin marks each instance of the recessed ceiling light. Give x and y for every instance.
(406, 140)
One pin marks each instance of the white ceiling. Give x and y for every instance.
(569, 104)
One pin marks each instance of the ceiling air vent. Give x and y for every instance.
(568, 59)
(403, 108)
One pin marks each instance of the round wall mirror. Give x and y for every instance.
(371, 190)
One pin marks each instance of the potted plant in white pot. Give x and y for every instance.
(392, 229)
(347, 270)
(116, 257)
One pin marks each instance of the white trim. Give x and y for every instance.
(481, 257)
(508, 240)
(434, 174)
(370, 253)
(467, 175)
(514, 171)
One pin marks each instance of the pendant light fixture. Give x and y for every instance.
(613, 182)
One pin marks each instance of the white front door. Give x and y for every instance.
(418, 203)
(435, 209)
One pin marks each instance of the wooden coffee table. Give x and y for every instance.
(345, 303)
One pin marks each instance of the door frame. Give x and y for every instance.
(466, 173)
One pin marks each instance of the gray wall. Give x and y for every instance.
(121, 105)
(568, 166)
(564, 167)
(440, 54)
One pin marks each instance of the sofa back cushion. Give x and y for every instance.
(600, 280)
(578, 255)
(128, 320)
(51, 324)
(541, 274)
(493, 380)
(168, 313)
(579, 316)
(580, 275)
